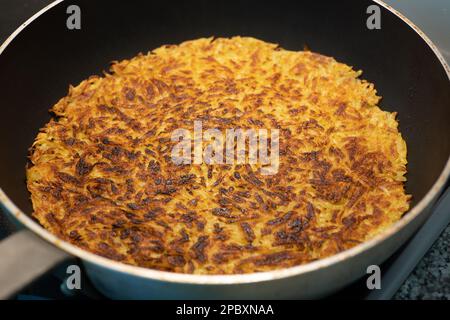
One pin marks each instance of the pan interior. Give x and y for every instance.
(46, 57)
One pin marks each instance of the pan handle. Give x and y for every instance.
(23, 257)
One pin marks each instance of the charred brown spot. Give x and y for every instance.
(280, 220)
(273, 259)
(222, 212)
(82, 167)
(130, 94)
(249, 234)
(177, 261)
(199, 248)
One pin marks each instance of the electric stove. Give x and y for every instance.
(432, 16)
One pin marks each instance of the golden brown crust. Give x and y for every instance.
(102, 178)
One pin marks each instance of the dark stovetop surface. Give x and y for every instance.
(430, 279)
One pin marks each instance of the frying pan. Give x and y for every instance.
(43, 57)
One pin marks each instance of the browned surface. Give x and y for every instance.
(103, 178)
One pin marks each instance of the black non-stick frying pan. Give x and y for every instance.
(40, 61)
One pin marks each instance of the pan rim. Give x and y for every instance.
(152, 274)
